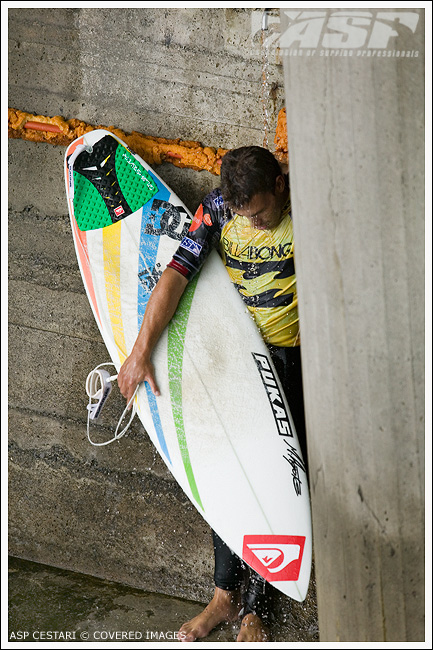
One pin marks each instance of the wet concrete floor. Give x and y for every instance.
(49, 605)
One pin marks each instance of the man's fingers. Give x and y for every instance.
(131, 375)
(154, 386)
(150, 378)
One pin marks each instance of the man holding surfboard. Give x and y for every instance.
(249, 219)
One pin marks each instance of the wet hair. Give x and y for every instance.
(245, 172)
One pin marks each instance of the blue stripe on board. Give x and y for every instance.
(147, 275)
(157, 420)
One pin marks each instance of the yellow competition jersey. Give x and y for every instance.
(260, 264)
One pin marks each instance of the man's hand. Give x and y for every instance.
(160, 309)
(133, 372)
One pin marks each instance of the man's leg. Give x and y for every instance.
(226, 603)
(229, 569)
(229, 572)
(255, 610)
(255, 600)
(287, 362)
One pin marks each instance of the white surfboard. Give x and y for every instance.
(222, 423)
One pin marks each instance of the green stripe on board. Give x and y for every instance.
(176, 344)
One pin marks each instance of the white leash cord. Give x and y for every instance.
(98, 386)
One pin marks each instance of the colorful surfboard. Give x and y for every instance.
(222, 423)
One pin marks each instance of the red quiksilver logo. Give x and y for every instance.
(275, 557)
(119, 211)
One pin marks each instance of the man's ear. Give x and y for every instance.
(280, 184)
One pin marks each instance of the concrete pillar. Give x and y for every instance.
(354, 84)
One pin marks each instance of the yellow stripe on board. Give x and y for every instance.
(111, 248)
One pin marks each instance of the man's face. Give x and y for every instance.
(264, 211)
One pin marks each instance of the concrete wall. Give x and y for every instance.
(113, 511)
(356, 144)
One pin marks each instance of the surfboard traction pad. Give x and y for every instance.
(105, 184)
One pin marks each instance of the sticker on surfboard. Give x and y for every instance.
(109, 184)
(275, 557)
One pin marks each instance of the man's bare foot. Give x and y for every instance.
(224, 607)
(252, 629)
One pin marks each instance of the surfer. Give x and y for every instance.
(249, 219)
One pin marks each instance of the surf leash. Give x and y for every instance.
(99, 384)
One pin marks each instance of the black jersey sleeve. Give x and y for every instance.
(203, 235)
